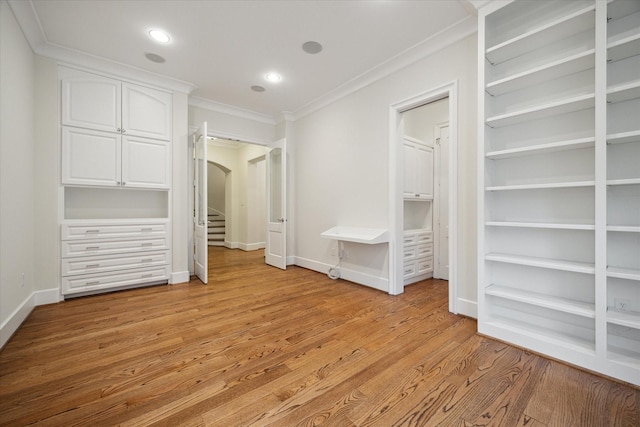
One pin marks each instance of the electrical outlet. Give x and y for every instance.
(622, 304)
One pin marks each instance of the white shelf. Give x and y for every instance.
(624, 228)
(369, 236)
(558, 29)
(551, 147)
(624, 357)
(629, 319)
(624, 137)
(558, 226)
(623, 273)
(554, 264)
(622, 48)
(564, 305)
(562, 106)
(553, 70)
(575, 184)
(630, 181)
(623, 92)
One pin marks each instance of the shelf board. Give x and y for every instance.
(562, 106)
(622, 48)
(624, 228)
(553, 70)
(574, 184)
(623, 92)
(554, 264)
(558, 29)
(619, 9)
(630, 319)
(624, 137)
(551, 147)
(558, 226)
(630, 181)
(564, 305)
(624, 357)
(623, 273)
(370, 236)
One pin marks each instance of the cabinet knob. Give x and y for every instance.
(118, 130)
(123, 130)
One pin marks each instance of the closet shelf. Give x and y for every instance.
(629, 319)
(557, 29)
(623, 92)
(559, 226)
(623, 47)
(551, 147)
(630, 181)
(624, 357)
(553, 70)
(564, 305)
(574, 184)
(623, 273)
(624, 228)
(562, 106)
(624, 137)
(553, 264)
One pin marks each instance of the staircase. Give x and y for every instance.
(215, 228)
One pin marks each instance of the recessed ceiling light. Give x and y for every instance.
(159, 36)
(273, 77)
(312, 47)
(154, 58)
(257, 88)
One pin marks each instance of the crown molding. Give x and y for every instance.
(450, 35)
(28, 20)
(219, 107)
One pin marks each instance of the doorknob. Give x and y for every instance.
(282, 220)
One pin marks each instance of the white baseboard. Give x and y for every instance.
(376, 282)
(231, 245)
(19, 315)
(251, 246)
(179, 277)
(467, 307)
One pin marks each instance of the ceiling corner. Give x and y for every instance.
(27, 18)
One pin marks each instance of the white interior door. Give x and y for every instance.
(441, 204)
(200, 217)
(276, 251)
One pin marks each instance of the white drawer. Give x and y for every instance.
(424, 237)
(409, 253)
(424, 250)
(94, 248)
(409, 269)
(424, 266)
(90, 282)
(409, 239)
(88, 265)
(112, 231)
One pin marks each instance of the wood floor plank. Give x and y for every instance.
(259, 346)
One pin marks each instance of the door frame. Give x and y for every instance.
(437, 164)
(396, 206)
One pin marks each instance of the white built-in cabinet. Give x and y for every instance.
(417, 208)
(559, 177)
(115, 153)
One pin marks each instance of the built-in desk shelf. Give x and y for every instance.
(369, 236)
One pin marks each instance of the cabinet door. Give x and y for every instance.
(90, 101)
(410, 190)
(145, 163)
(424, 171)
(90, 157)
(146, 112)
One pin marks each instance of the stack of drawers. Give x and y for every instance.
(418, 255)
(111, 254)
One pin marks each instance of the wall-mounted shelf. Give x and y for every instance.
(559, 226)
(542, 186)
(562, 106)
(624, 91)
(625, 318)
(623, 273)
(623, 137)
(554, 264)
(542, 300)
(551, 147)
(369, 236)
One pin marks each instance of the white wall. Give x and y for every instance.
(215, 187)
(419, 122)
(17, 152)
(342, 166)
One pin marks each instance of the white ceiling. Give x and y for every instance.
(224, 47)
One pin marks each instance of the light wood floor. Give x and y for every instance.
(259, 346)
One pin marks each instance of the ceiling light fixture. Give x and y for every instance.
(273, 77)
(159, 36)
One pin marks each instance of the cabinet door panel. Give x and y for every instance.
(90, 101)
(146, 112)
(409, 170)
(90, 157)
(424, 171)
(145, 163)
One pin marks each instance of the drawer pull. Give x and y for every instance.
(92, 231)
(144, 276)
(93, 265)
(147, 260)
(146, 229)
(147, 244)
(92, 248)
(408, 271)
(95, 282)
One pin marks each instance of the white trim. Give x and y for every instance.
(396, 282)
(376, 282)
(20, 314)
(179, 277)
(231, 110)
(425, 48)
(231, 245)
(252, 246)
(467, 307)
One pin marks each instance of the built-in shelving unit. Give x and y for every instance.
(559, 180)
